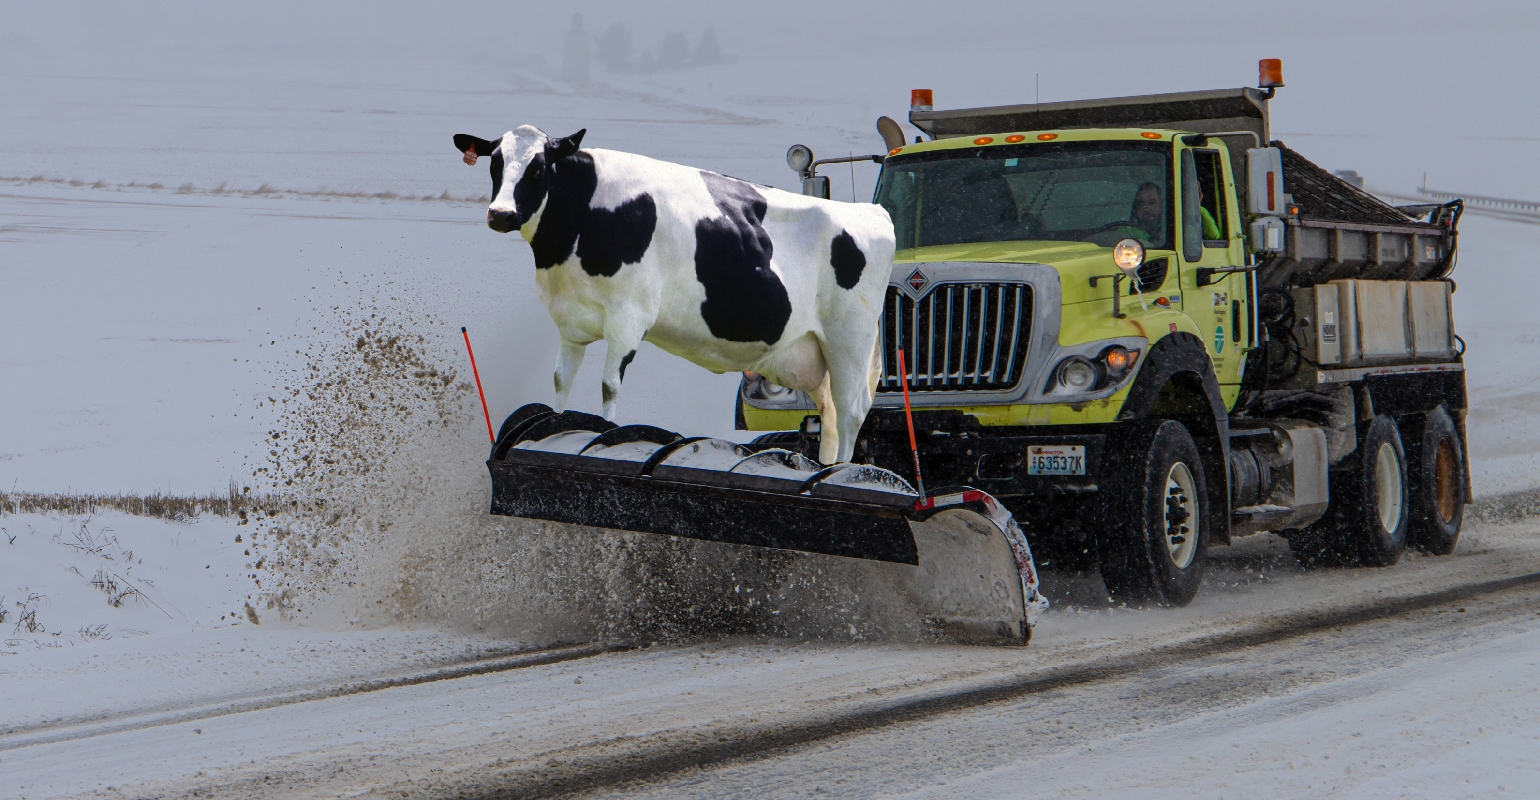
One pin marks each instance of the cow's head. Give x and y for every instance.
(522, 163)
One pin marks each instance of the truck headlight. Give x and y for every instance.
(1078, 375)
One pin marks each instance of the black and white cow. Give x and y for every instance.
(730, 275)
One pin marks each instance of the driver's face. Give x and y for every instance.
(1148, 205)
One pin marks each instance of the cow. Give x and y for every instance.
(733, 276)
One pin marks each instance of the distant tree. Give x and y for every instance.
(614, 49)
(646, 64)
(709, 51)
(674, 52)
(575, 54)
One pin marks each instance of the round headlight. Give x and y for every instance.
(1077, 375)
(799, 158)
(773, 390)
(1118, 358)
(1128, 254)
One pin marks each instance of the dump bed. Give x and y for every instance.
(1337, 230)
(1341, 231)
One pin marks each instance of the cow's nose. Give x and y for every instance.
(502, 221)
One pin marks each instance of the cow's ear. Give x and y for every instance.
(465, 141)
(558, 149)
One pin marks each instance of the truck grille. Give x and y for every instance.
(960, 337)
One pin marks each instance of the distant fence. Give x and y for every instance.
(1478, 201)
(1500, 207)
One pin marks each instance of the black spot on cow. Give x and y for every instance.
(626, 362)
(848, 260)
(608, 391)
(604, 239)
(611, 239)
(497, 176)
(745, 300)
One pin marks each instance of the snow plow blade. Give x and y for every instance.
(962, 554)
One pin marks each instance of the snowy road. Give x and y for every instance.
(197, 208)
(1317, 681)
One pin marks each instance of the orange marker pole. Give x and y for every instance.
(914, 447)
(482, 395)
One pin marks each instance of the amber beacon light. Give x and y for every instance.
(1270, 73)
(921, 100)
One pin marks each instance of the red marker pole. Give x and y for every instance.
(482, 395)
(903, 377)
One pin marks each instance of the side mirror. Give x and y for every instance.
(1264, 172)
(892, 135)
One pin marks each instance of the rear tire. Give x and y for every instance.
(1436, 472)
(1158, 531)
(1366, 523)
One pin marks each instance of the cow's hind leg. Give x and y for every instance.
(567, 363)
(850, 389)
(829, 431)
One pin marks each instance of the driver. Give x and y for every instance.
(1148, 215)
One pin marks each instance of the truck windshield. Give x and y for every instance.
(1096, 192)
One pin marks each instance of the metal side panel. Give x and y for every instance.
(712, 513)
(1431, 321)
(1382, 321)
(1328, 325)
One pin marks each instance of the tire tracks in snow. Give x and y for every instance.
(608, 765)
(55, 732)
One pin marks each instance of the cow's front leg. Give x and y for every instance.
(567, 364)
(621, 349)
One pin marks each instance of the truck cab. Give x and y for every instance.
(1112, 318)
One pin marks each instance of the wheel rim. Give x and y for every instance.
(1444, 477)
(1180, 516)
(1387, 485)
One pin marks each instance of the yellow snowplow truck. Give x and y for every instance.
(1146, 329)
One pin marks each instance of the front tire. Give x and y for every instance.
(1157, 536)
(1366, 523)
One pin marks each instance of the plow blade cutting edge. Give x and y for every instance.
(959, 555)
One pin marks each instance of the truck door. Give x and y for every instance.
(1211, 240)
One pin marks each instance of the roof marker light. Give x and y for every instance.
(1047, 137)
(895, 151)
(984, 140)
(1150, 135)
(1014, 138)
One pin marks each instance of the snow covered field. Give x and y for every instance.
(206, 215)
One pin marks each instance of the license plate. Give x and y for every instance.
(1056, 459)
